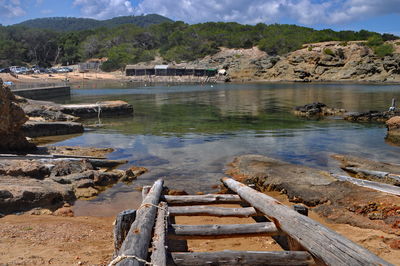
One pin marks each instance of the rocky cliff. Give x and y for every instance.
(327, 61)
(12, 117)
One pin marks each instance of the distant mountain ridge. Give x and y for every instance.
(76, 24)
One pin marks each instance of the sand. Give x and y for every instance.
(50, 240)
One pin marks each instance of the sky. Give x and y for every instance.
(375, 15)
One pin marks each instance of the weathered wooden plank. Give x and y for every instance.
(323, 243)
(122, 225)
(212, 211)
(203, 199)
(136, 244)
(370, 184)
(145, 191)
(224, 229)
(159, 255)
(253, 258)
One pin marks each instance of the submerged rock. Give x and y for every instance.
(12, 117)
(317, 109)
(369, 116)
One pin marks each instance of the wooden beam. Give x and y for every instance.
(145, 191)
(323, 243)
(224, 229)
(203, 199)
(253, 258)
(370, 184)
(122, 225)
(159, 255)
(212, 211)
(136, 243)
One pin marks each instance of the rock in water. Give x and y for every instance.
(12, 117)
(393, 126)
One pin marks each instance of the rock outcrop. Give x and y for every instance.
(28, 184)
(12, 117)
(393, 126)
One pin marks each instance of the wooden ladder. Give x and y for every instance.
(309, 242)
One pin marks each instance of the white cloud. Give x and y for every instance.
(307, 12)
(10, 9)
(253, 11)
(102, 9)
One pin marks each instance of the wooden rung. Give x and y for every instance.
(224, 229)
(211, 211)
(203, 199)
(242, 258)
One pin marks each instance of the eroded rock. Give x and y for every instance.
(12, 117)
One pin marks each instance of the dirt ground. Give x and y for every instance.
(50, 240)
(73, 77)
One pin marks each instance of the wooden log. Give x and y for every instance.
(212, 211)
(228, 257)
(224, 229)
(159, 255)
(136, 244)
(122, 225)
(323, 243)
(370, 184)
(203, 199)
(145, 191)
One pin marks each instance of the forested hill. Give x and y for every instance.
(77, 24)
(173, 41)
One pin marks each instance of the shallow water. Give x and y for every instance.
(187, 134)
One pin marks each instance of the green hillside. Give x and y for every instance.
(78, 24)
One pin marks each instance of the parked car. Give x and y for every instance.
(5, 70)
(9, 83)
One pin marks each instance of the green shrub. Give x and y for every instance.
(309, 48)
(343, 44)
(383, 50)
(375, 41)
(328, 51)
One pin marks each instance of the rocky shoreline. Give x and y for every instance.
(337, 201)
(42, 180)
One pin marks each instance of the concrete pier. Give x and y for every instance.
(43, 93)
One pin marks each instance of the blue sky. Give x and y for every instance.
(376, 15)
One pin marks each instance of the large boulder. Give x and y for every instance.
(393, 126)
(12, 117)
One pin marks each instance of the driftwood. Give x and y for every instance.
(145, 191)
(122, 225)
(227, 257)
(203, 199)
(212, 211)
(370, 184)
(267, 228)
(136, 244)
(326, 245)
(378, 174)
(159, 255)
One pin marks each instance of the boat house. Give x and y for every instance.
(165, 70)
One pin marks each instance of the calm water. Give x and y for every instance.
(187, 134)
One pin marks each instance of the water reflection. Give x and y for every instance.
(187, 134)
